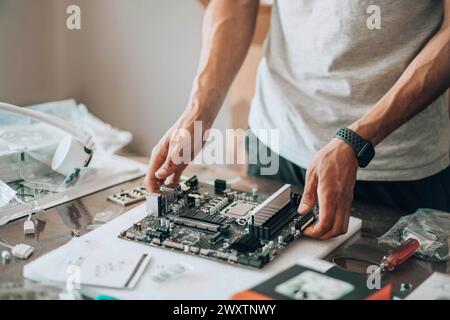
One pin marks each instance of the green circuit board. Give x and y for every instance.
(219, 223)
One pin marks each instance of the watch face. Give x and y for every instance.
(365, 155)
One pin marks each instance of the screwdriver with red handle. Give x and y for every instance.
(399, 255)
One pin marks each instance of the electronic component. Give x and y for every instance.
(247, 243)
(238, 210)
(220, 185)
(170, 191)
(197, 224)
(156, 205)
(22, 251)
(272, 205)
(211, 221)
(192, 182)
(271, 218)
(305, 221)
(28, 227)
(205, 217)
(129, 196)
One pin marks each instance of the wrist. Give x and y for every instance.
(362, 148)
(366, 131)
(203, 105)
(373, 126)
(342, 146)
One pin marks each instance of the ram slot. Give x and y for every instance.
(272, 205)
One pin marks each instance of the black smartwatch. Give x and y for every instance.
(363, 149)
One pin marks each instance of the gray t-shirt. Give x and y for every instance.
(328, 62)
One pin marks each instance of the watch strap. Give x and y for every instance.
(363, 149)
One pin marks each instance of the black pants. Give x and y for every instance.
(431, 192)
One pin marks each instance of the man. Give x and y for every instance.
(373, 73)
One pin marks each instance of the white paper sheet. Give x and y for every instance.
(88, 264)
(436, 287)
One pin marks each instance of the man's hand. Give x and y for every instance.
(176, 149)
(330, 181)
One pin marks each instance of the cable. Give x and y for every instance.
(28, 225)
(4, 244)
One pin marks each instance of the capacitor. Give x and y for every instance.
(280, 239)
(271, 244)
(255, 192)
(162, 222)
(197, 202)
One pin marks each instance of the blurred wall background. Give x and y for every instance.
(132, 63)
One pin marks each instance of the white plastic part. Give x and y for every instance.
(69, 155)
(22, 251)
(6, 193)
(28, 227)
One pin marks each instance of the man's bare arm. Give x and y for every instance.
(228, 28)
(332, 174)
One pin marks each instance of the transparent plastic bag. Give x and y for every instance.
(430, 227)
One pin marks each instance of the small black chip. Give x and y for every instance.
(220, 185)
(246, 243)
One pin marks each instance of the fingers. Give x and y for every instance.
(168, 168)
(176, 177)
(157, 159)
(162, 167)
(340, 225)
(342, 216)
(309, 196)
(327, 210)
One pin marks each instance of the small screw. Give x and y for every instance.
(405, 287)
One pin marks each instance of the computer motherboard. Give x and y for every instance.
(216, 222)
